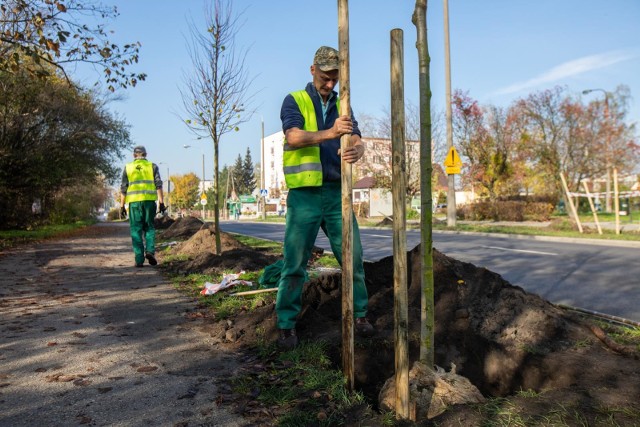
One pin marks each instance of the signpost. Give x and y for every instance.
(203, 202)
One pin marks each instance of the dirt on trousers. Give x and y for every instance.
(505, 340)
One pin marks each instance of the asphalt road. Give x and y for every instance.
(596, 276)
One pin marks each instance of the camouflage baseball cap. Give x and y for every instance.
(326, 59)
(140, 150)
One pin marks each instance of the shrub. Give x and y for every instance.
(511, 210)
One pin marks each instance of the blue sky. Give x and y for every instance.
(501, 50)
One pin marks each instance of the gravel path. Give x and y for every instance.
(87, 339)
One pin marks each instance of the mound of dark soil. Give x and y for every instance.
(163, 222)
(182, 228)
(200, 249)
(497, 335)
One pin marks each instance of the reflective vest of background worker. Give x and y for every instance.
(141, 186)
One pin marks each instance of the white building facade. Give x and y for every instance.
(273, 173)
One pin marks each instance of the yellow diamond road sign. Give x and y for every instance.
(452, 159)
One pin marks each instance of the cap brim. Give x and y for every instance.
(328, 67)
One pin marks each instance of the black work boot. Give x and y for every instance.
(363, 327)
(287, 339)
(151, 258)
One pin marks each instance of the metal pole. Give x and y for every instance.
(203, 211)
(264, 198)
(607, 114)
(451, 178)
(607, 142)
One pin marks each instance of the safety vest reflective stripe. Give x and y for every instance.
(302, 168)
(301, 165)
(141, 183)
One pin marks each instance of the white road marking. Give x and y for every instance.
(519, 250)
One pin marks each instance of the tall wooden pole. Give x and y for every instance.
(399, 190)
(347, 208)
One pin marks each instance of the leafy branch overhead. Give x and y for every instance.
(40, 36)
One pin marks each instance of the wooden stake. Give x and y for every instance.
(593, 209)
(257, 291)
(347, 208)
(570, 201)
(398, 190)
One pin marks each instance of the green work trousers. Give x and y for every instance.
(308, 210)
(143, 231)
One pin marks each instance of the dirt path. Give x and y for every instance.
(87, 339)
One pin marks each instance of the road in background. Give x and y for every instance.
(602, 277)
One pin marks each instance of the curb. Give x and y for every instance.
(600, 242)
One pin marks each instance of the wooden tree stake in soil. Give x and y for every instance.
(347, 208)
(398, 189)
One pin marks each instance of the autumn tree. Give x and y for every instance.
(42, 37)
(53, 137)
(613, 139)
(489, 138)
(564, 135)
(186, 191)
(215, 95)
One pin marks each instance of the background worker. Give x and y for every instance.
(312, 168)
(141, 186)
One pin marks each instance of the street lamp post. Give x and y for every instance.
(451, 178)
(607, 116)
(263, 197)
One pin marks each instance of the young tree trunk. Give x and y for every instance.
(419, 19)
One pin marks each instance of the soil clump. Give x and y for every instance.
(509, 343)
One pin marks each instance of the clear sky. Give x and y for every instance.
(501, 50)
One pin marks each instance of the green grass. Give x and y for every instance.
(502, 412)
(539, 231)
(259, 244)
(625, 335)
(302, 383)
(11, 238)
(222, 303)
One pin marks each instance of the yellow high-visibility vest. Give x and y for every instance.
(302, 166)
(141, 184)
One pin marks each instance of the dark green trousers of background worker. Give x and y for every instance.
(308, 210)
(141, 217)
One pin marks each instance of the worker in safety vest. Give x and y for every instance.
(141, 186)
(312, 126)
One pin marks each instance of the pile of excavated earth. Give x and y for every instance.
(492, 339)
